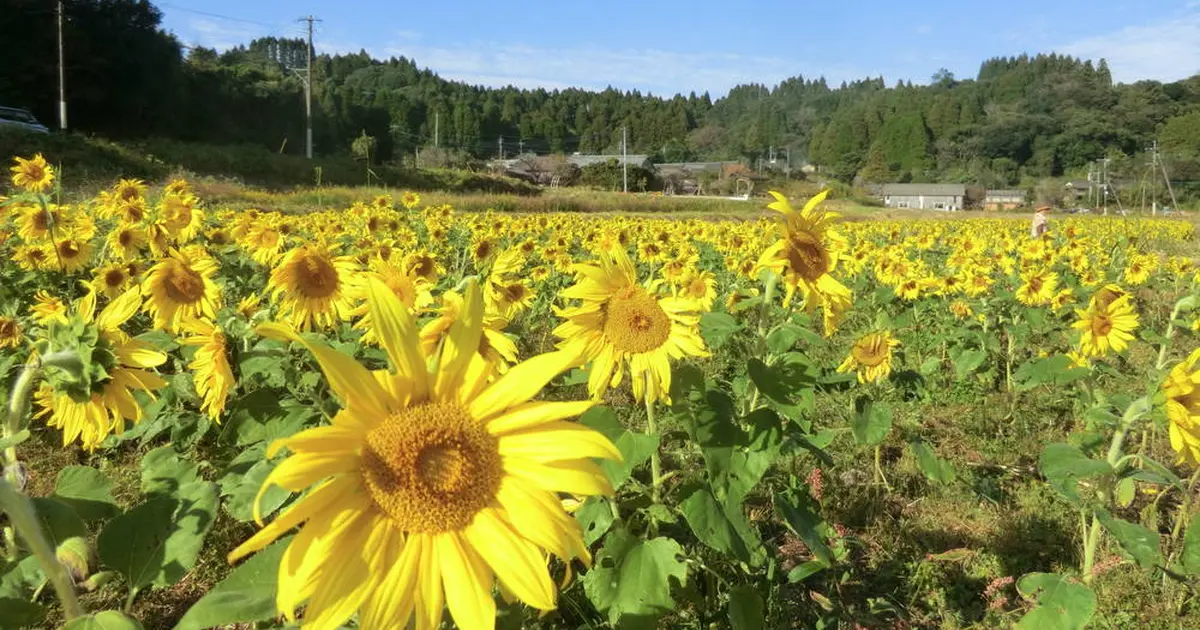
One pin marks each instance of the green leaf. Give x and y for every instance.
(595, 517)
(1054, 370)
(1124, 491)
(59, 521)
(1065, 464)
(134, 543)
(164, 471)
(783, 339)
(1139, 542)
(14, 439)
(734, 471)
(632, 577)
(193, 517)
(716, 328)
(1190, 558)
(801, 514)
(22, 579)
(18, 613)
(636, 448)
(804, 571)
(1187, 303)
(725, 530)
(246, 595)
(1061, 604)
(260, 417)
(968, 361)
(871, 423)
(746, 611)
(240, 485)
(107, 620)
(86, 490)
(935, 469)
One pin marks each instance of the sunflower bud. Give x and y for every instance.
(76, 556)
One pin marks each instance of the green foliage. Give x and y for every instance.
(633, 577)
(1061, 603)
(246, 595)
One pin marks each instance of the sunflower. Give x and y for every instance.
(72, 253)
(620, 323)
(91, 412)
(1106, 327)
(1038, 287)
(700, 286)
(803, 257)
(47, 309)
(111, 280)
(497, 349)
(423, 264)
(181, 216)
(871, 357)
(249, 306)
(430, 486)
(961, 309)
(1182, 391)
(181, 287)
(10, 332)
(1107, 294)
(312, 286)
(412, 291)
(1062, 299)
(125, 241)
(32, 175)
(410, 200)
(35, 223)
(129, 190)
(213, 376)
(31, 257)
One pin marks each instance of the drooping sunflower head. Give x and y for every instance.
(47, 308)
(312, 286)
(33, 174)
(871, 357)
(1107, 294)
(213, 375)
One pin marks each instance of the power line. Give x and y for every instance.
(217, 15)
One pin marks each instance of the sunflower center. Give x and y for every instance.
(184, 285)
(41, 220)
(431, 467)
(8, 328)
(125, 238)
(114, 277)
(806, 256)
(316, 277)
(1101, 325)
(69, 249)
(1035, 284)
(634, 322)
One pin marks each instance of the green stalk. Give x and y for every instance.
(655, 462)
(1093, 536)
(761, 345)
(1162, 348)
(23, 518)
(879, 476)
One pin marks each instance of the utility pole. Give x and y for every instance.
(308, 137)
(437, 120)
(1154, 179)
(624, 159)
(62, 74)
(501, 147)
(521, 146)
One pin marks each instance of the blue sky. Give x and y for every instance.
(668, 46)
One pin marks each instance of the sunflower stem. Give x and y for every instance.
(655, 463)
(1162, 348)
(879, 476)
(24, 520)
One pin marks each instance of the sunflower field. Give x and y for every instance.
(401, 416)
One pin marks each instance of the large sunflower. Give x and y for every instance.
(1106, 326)
(623, 324)
(89, 413)
(312, 287)
(181, 287)
(430, 485)
(871, 357)
(1182, 391)
(213, 376)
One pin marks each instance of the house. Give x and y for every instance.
(582, 161)
(692, 168)
(924, 196)
(1002, 199)
(1078, 190)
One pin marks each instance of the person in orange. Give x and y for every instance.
(1041, 222)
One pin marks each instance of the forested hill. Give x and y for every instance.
(1020, 117)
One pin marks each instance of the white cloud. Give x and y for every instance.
(221, 35)
(1167, 50)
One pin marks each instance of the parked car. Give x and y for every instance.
(20, 118)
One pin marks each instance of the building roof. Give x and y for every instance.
(943, 190)
(588, 160)
(1005, 192)
(695, 167)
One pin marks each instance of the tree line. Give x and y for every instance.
(1019, 118)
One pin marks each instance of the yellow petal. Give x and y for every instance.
(430, 596)
(119, 310)
(343, 583)
(301, 471)
(349, 379)
(558, 441)
(321, 499)
(333, 439)
(573, 477)
(468, 583)
(399, 336)
(394, 599)
(521, 383)
(460, 345)
(518, 564)
(532, 414)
